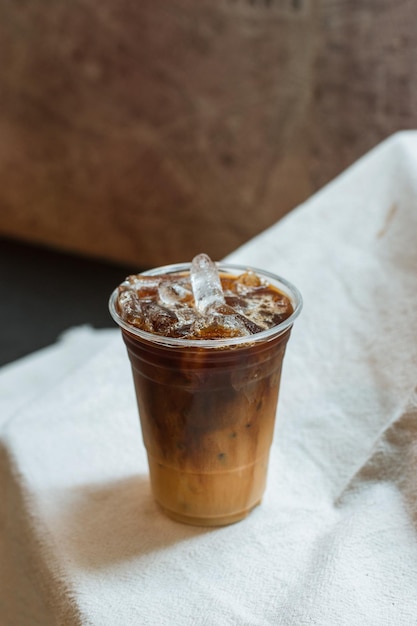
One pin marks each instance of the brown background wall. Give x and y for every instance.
(145, 132)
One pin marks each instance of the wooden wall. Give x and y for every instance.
(145, 132)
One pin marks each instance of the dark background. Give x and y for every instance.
(44, 292)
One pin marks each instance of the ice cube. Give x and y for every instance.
(187, 315)
(205, 283)
(237, 303)
(172, 294)
(247, 282)
(220, 326)
(144, 286)
(233, 318)
(160, 319)
(130, 307)
(250, 325)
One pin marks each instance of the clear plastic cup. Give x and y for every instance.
(207, 411)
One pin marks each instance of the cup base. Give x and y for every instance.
(208, 521)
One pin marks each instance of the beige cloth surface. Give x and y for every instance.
(334, 541)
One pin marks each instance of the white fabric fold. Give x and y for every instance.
(334, 541)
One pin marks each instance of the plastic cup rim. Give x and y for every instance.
(232, 342)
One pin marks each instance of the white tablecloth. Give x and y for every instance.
(334, 541)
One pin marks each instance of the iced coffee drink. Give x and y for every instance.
(206, 343)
